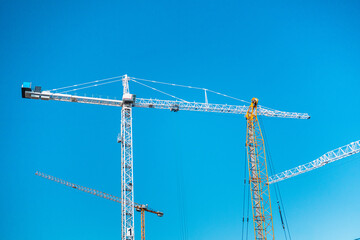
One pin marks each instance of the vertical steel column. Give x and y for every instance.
(258, 177)
(127, 184)
(142, 224)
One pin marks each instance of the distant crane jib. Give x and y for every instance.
(329, 157)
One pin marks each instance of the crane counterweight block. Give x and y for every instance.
(26, 87)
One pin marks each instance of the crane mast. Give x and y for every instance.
(127, 179)
(142, 224)
(258, 176)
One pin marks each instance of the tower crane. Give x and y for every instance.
(258, 176)
(138, 207)
(260, 193)
(329, 157)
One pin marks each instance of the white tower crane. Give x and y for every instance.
(139, 207)
(263, 224)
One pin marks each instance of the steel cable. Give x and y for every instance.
(244, 198)
(81, 84)
(277, 188)
(160, 91)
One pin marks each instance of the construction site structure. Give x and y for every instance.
(258, 176)
(138, 207)
(256, 165)
(329, 157)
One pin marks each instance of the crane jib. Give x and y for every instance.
(173, 106)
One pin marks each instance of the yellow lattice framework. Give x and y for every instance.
(258, 176)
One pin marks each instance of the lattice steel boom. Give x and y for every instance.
(98, 193)
(328, 157)
(164, 104)
(258, 177)
(139, 207)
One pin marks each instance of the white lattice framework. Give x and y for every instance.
(98, 193)
(328, 157)
(166, 104)
(127, 178)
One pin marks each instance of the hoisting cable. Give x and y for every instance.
(181, 201)
(282, 206)
(246, 203)
(277, 189)
(159, 90)
(81, 84)
(248, 212)
(281, 218)
(244, 199)
(276, 192)
(248, 191)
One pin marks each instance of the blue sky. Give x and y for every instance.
(301, 56)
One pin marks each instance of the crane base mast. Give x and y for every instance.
(258, 177)
(127, 178)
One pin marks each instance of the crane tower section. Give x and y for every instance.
(258, 176)
(127, 179)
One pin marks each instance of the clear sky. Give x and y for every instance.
(301, 56)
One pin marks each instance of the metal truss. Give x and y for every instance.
(79, 187)
(127, 179)
(98, 193)
(127, 186)
(166, 104)
(258, 178)
(139, 207)
(142, 224)
(328, 157)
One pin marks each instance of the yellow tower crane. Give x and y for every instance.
(258, 176)
(138, 207)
